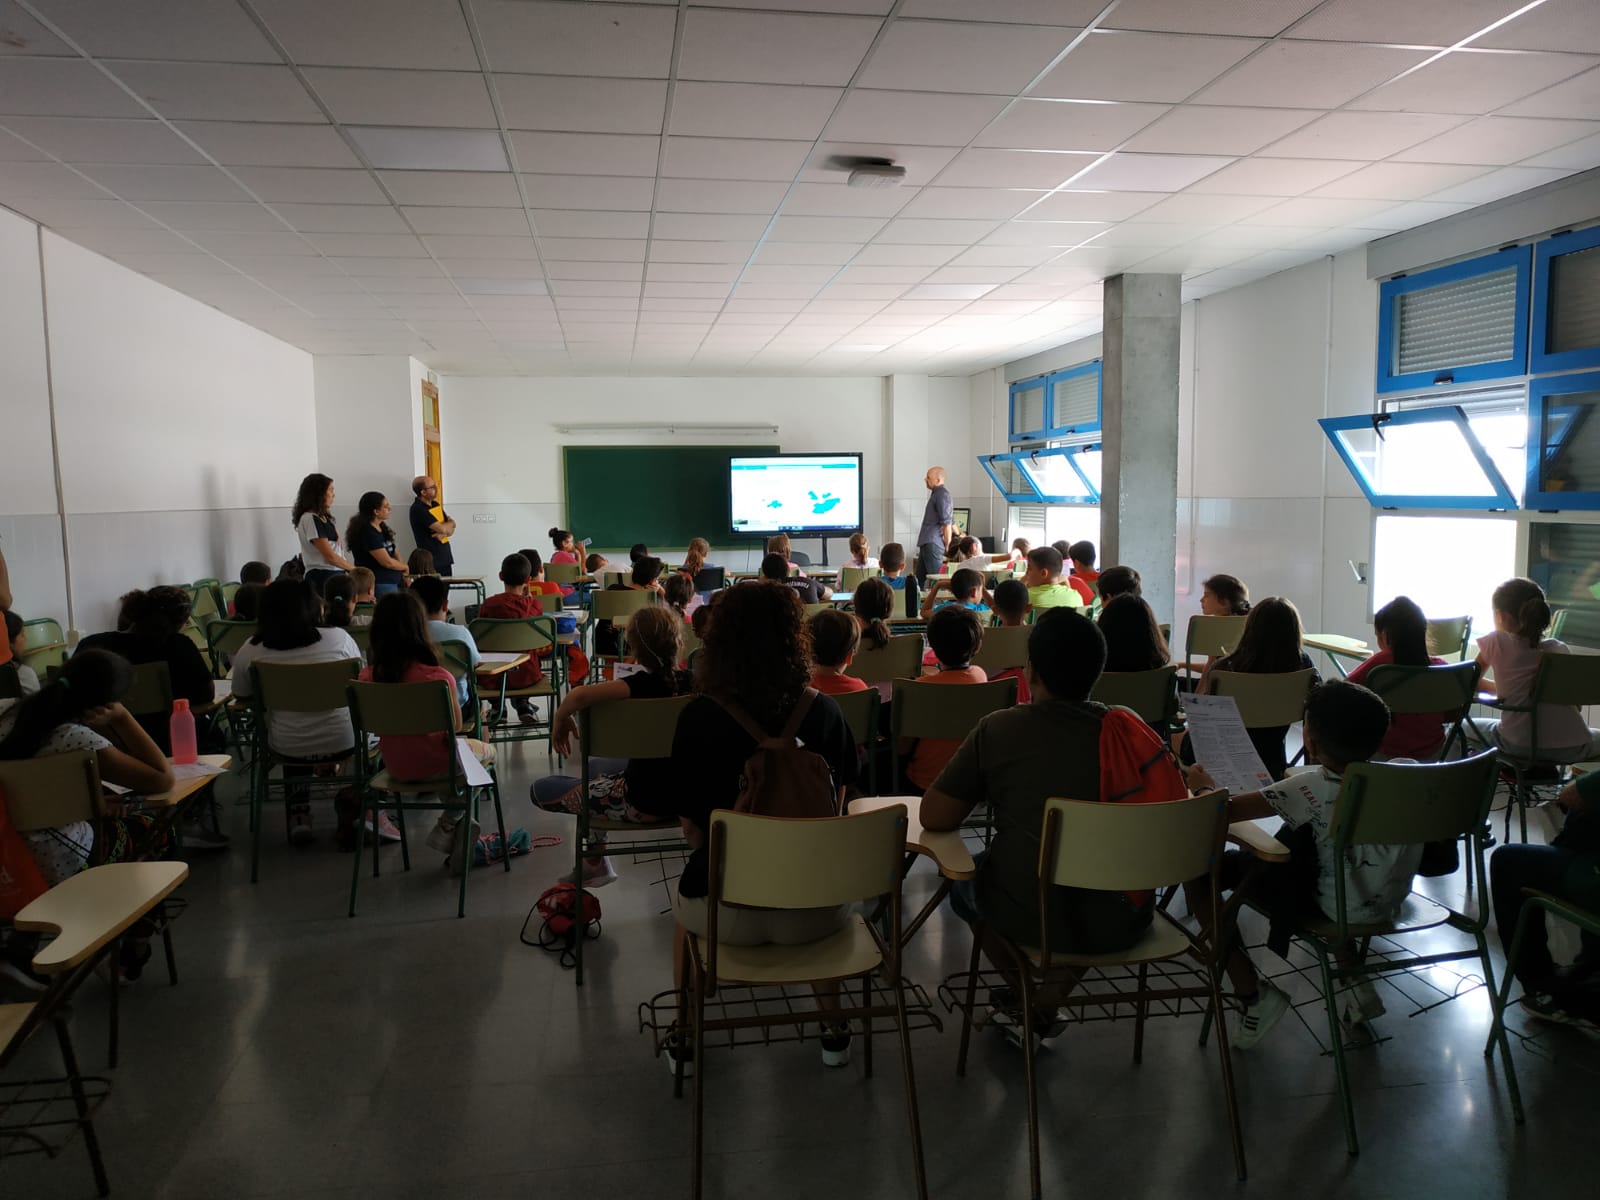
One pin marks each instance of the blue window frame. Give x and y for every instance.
(1464, 323)
(1423, 458)
(1566, 302)
(1074, 400)
(1009, 478)
(1564, 442)
(1030, 409)
(1063, 474)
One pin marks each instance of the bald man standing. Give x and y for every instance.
(431, 525)
(938, 526)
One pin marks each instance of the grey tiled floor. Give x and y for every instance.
(410, 1054)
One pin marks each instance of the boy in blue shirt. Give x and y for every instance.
(966, 589)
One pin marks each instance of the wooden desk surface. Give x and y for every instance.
(89, 909)
(1337, 643)
(947, 849)
(495, 663)
(188, 787)
(1255, 837)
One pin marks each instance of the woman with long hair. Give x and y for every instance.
(1402, 633)
(372, 542)
(1269, 645)
(321, 552)
(757, 659)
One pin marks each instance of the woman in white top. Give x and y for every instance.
(1508, 660)
(287, 632)
(320, 548)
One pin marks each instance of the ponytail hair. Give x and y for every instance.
(1230, 589)
(1401, 621)
(874, 602)
(655, 638)
(559, 537)
(1522, 600)
(695, 560)
(89, 679)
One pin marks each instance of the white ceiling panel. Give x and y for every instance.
(61, 88)
(450, 247)
(1579, 97)
(549, 37)
(1150, 172)
(1321, 210)
(1554, 25)
(840, 200)
(430, 149)
(368, 245)
(1248, 18)
(1063, 125)
(191, 215)
(84, 139)
(425, 98)
(733, 158)
(990, 59)
(311, 185)
(751, 47)
(704, 226)
(88, 213)
(585, 153)
(1025, 12)
(1274, 176)
(1576, 156)
(1495, 185)
(24, 35)
(584, 105)
(1362, 136)
(1398, 181)
(1423, 24)
(1310, 74)
(561, 269)
(1218, 129)
(1005, 256)
(830, 229)
(809, 253)
(230, 244)
(204, 91)
(1491, 141)
(917, 118)
(257, 144)
(1142, 66)
(594, 249)
(1201, 209)
(736, 110)
(115, 242)
(492, 222)
(666, 250)
(1013, 168)
(1081, 205)
(715, 196)
(425, 34)
(1472, 82)
(341, 218)
(164, 29)
(978, 204)
(601, 192)
(154, 182)
(906, 254)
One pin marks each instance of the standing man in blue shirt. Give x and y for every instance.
(938, 526)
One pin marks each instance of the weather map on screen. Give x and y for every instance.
(795, 493)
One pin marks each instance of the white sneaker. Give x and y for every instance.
(835, 1041)
(442, 837)
(1258, 1019)
(597, 872)
(1361, 1003)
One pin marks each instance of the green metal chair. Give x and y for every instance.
(459, 665)
(1449, 637)
(415, 710)
(1003, 648)
(861, 711)
(563, 573)
(1152, 694)
(850, 577)
(1427, 690)
(922, 710)
(44, 645)
(223, 640)
(1572, 680)
(900, 659)
(535, 637)
(1209, 637)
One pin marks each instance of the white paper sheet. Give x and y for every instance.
(1222, 744)
(195, 770)
(493, 657)
(474, 770)
(222, 690)
(623, 669)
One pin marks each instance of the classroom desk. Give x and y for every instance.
(1257, 838)
(472, 583)
(187, 787)
(496, 663)
(947, 851)
(1337, 646)
(841, 598)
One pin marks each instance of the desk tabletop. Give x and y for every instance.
(946, 848)
(1337, 643)
(187, 787)
(1257, 839)
(495, 663)
(89, 909)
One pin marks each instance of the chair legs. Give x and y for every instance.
(1140, 1008)
(1336, 1036)
(909, 1071)
(80, 1102)
(698, 1042)
(1501, 997)
(1225, 1057)
(972, 998)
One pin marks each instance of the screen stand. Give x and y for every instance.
(824, 561)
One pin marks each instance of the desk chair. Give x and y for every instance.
(850, 577)
(293, 688)
(1450, 637)
(1003, 647)
(1265, 701)
(535, 637)
(900, 659)
(1116, 847)
(799, 558)
(151, 693)
(924, 710)
(228, 591)
(1425, 690)
(88, 914)
(710, 579)
(616, 607)
(1152, 694)
(223, 640)
(566, 574)
(453, 658)
(1399, 804)
(415, 710)
(1209, 637)
(861, 713)
(206, 602)
(1567, 679)
(769, 862)
(44, 645)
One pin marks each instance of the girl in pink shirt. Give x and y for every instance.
(1508, 659)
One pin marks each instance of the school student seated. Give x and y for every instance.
(339, 603)
(1011, 610)
(1508, 662)
(968, 548)
(696, 560)
(861, 552)
(148, 631)
(1133, 636)
(678, 591)
(372, 543)
(636, 790)
(779, 544)
(1568, 869)
(892, 562)
(514, 603)
(27, 677)
(435, 597)
(1269, 645)
(253, 572)
(1014, 761)
(1082, 576)
(645, 576)
(966, 589)
(835, 638)
(1043, 581)
(420, 563)
(247, 601)
(1019, 550)
(756, 660)
(595, 563)
(775, 569)
(538, 585)
(566, 551)
(1402, 633)
(1119, 581)
(955, 635)
(1220, 596)
(1344, 724)
(287, 632)
(363, 584)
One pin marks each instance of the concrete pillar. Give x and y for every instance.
(1139, 471)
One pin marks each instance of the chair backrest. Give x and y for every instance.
(709, 579)
(799, 557)
(691, 640)
(1567, 679)
(1151, 693)
(401, 709)
(1449, 637)
(41, 631)
(929, 710)
(151, 693)
(521, 635)
(619, 606)
(900, 659)
(10, 682)
(900, 608)
(1410, 803)
(205, 598)
(777, 862)
(551, 602)
(1424, 689)
(563, 572)
(607, 578)
(223, 639)
(850, 577)
(361, 635)
(303, 687)
(1003, 648)
(1558, 622)
(1266, 700)
(49, 792)
(812, 610)
(1131, 847)
(1213, 636)
(631, 728)
(860, 711)
(228, 591)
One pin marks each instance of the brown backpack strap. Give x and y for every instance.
(744, 720)
(763, 739)
(797, 716)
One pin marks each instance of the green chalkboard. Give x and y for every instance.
(659, 495)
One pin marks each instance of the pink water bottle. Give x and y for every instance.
(185, 748)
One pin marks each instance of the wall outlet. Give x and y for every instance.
(483, 518)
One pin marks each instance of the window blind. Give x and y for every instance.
(1027, 411)
(1457, 324)
(1076, 401)
(1574, 301)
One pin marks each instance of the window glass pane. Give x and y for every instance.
(1052, 474)
(1071, 523)
(1089, 463)
(1024, 521)
(1570, 440)
(1448, 565)
(1027, 409)
(1574, 301)
(1498, 418)
(1564, 559)
(1010, 476)
(1076, 401)
(1456, 324)
(1417, 460)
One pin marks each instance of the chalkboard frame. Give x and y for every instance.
(662, 495)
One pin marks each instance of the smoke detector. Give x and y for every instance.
(875, 173)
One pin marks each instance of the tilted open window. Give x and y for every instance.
(1421, 458)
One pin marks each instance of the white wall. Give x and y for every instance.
(502, 454)
(369, 430)
(181, 432)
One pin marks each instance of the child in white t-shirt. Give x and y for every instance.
(1508, 661)
(1344, 723)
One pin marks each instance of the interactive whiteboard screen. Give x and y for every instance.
(808, 494)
